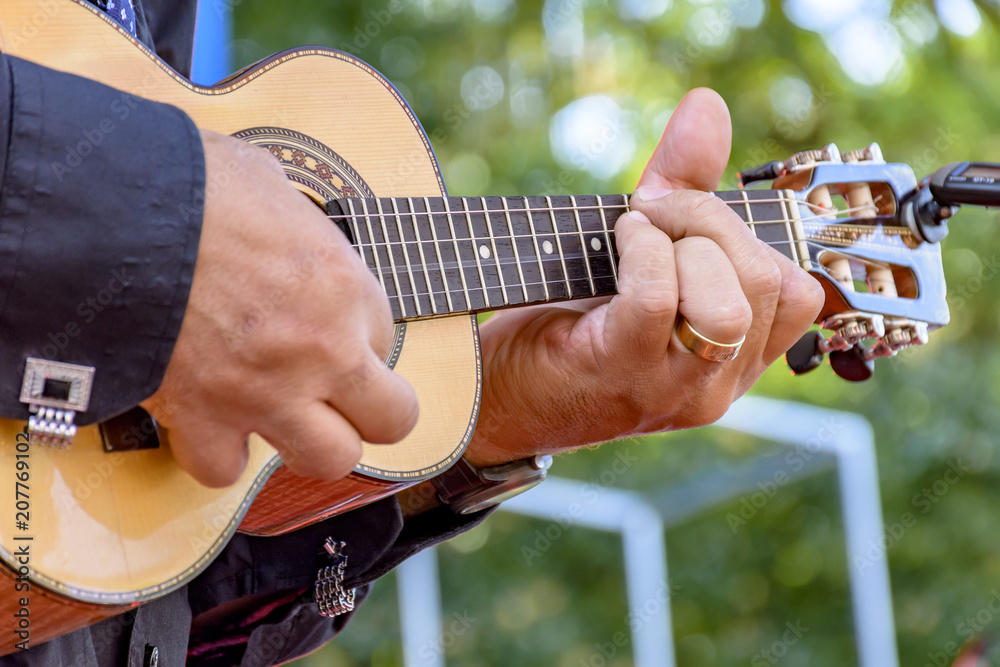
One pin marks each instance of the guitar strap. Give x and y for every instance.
(121, 11)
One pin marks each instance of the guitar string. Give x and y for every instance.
(783, 221)
(822, 214)
(807, 224)
(478, 289)
(546, 209)
(465, 264)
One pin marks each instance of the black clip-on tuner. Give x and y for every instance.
(938, 196)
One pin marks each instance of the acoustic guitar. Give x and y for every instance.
(89, 531)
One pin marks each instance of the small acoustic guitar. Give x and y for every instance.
(110, 522)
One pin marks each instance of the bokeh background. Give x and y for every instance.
(571, 96)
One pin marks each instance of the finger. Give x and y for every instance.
(380, 405)
(711, 298)
(318, 442)
(641, 316)
(687, 213)
(212, 453)
(799, 304)
(694, 149)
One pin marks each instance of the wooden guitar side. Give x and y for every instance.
(116, 529)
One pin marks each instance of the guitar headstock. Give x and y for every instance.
(884, 282)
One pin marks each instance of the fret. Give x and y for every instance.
(798, 234)
(765, 215)
(377, 269)
(471, 259)
(390, 250)
(431, 292)
(538, 252)
(607, 238)
(493, 244)
(749, 214)
(788, 225)
(359, 242)
(378, 244)
(461, 260)
(517, 255)
(562, 257)
(442, 267)
(583, 243)
(454, 246)
(502, 244)
(600, 258)
(422, 291)
(485, 275)
(555, 280)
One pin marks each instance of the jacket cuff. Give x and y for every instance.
(100, 217)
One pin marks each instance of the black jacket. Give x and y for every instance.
(96, 263)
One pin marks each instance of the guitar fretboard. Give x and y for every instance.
(439, 256)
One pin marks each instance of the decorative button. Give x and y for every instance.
(54, 392)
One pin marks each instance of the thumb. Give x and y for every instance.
(694, 149)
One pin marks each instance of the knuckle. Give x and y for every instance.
(767, 278)
(706, 204)
(805, 294)
(363, 374)
(399, 428)
(336, 459)
(733, 318)
(221, 476)
(395, 423)
(651, 305)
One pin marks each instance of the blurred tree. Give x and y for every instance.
(569, 96)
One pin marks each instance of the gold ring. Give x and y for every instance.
(704, 347)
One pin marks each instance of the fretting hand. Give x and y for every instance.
(559, 377)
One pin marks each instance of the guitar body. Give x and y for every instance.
(109, 530)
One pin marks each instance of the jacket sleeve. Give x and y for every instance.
(101, 199)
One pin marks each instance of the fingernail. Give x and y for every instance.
(651, 192)
(638, 216)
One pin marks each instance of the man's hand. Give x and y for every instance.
(559, 377)
(284, 333)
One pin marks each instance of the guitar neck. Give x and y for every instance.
(437, 256)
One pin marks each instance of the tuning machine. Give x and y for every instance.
(850, 357)
(829, 154)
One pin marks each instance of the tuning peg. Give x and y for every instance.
(851, 364)
(806, 354)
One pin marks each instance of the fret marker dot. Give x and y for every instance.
(547, 247)
(595, 243)
(484, 252)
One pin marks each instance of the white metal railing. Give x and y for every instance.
(832, 439)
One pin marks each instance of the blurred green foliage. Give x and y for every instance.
(795, 75)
